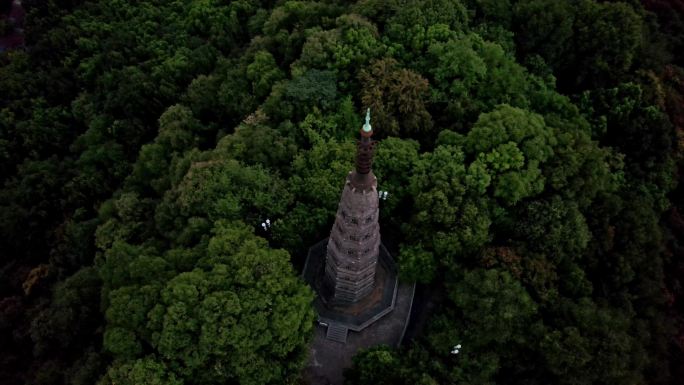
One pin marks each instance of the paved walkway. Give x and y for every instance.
(328, 359)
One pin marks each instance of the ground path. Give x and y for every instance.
(328, 359)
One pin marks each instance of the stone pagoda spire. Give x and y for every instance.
(353, 246)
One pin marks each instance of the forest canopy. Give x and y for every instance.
(532, 151)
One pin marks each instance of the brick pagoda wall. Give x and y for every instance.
(353, 247)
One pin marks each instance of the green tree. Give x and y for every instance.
(554, 228)
(512, 145)
(317, 182)
(393, 165)
(240, 315)
(145, 371)
(495, 309)
(544, 28)
(571, 37)
(598, 346)
(261, 145)
(216, 188)
(471, 76)
(449, 219)
(263, 72)
(397, 97)
(342, 50)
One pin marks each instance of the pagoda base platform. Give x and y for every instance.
(378, 319)
(328, 358)
(359, 315)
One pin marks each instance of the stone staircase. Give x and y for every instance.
(337, 332)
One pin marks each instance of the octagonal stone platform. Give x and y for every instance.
(379, 319)
(359, 315)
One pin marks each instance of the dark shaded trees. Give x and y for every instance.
(397, 98)
(153, 138)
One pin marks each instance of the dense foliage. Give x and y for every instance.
(532, 150)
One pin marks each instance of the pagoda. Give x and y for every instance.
(354, 243)
(352, 273)
(359, 301)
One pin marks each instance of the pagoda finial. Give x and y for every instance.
(365, 147)
(367, 127)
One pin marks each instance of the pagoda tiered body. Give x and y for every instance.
(354, 243)
(353, 246)
(352, 272)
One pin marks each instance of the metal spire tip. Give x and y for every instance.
(367, 127)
